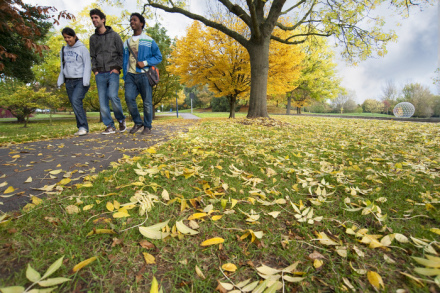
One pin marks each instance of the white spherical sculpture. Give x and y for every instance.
(404, 110)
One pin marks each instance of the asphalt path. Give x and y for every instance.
(29, 167)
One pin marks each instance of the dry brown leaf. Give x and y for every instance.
(116, 241)
(316, 255)
(72, 209)
(146, 244)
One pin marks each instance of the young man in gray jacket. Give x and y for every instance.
(106, 51)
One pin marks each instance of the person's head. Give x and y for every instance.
(69, 36)
(136, 19)
(98, 17)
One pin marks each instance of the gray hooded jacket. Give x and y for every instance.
(106, 51)
(77, 63)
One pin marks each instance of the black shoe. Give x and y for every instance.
(109, 130)
(146, 131)
(122, 126)
(135, 128)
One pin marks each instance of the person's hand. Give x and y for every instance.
(96, 73)
(115, 71)
(140, 64)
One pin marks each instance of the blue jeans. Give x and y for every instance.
(76, 93)
(136, 84)
(108, 87)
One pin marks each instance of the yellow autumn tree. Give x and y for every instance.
(318, 80)
(206, 56)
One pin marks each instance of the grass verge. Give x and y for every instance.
(350, 203)
(62, 126)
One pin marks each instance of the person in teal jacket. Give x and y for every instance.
(140, 53)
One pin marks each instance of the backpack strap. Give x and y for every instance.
(134, 55)
(64, 61)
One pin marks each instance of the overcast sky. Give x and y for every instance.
(413, 58)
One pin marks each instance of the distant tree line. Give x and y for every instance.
(426, 103)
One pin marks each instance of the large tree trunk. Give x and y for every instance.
(20, 119)
(232, 100)
(26, 121)
(289, 105)
(259, 57)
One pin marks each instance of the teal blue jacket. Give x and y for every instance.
(148, 52)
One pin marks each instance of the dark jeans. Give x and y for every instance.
(136, 84)
(76, 92)
(108, 87)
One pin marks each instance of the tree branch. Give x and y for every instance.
(293, 7)
(236, 36)
(237, 10)
(255, 29)
(274, 14)
(286, 41)
(286, 28)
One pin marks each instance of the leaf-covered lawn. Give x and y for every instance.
(296, 204)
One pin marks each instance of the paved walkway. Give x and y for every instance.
(183, 115)
(39, 162)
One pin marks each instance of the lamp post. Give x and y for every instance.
(191, 96)
(177, 107)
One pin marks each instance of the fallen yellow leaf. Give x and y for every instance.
(375, 279)
(110, 206)
(200, 273)
(318, 263)
(101, 231)
(64, 181)
(83, 264)
(216, 218)
(197, 216)
(87, 207)
(122, 213)
(154, 286)
(36, 201)
(230, 267)
(9, 190)
(149, 259)
(213, 241)
(435, 230)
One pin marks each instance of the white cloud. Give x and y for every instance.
(413, 58)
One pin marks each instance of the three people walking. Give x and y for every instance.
(108, 56)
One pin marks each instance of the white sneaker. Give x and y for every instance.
(81, 131)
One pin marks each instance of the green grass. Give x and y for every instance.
(40, 128)
(12, 132)
(218, 114)
(261, 166)
(354, 114)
